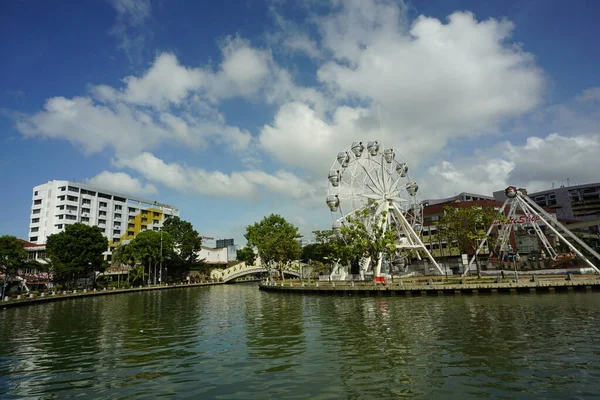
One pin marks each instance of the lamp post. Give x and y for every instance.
(161, 258)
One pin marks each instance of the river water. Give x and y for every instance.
(233, 341)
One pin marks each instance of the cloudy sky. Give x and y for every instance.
(232, 110)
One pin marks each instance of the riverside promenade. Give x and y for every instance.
(435, 286)
(30, 299)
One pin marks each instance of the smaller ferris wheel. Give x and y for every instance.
(374, 178)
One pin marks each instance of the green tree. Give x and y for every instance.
(149, 248)
(467, 226)
(246, 255)
(12, 258)
(137, 274)
(276, 241)
(76, 252)
(186, 240)
(363, 235)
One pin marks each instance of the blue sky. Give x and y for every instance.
(232, 110)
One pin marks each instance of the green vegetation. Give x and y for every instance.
(467, 226)
(77, 252)
(276, 241)
(246, 255)
(12, 258)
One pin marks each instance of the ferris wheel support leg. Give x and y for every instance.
(483, 241)
(381, 224)
(418, 240)
(545, 217)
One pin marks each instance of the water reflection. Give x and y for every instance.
(236, 342)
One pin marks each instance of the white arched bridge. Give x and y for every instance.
(241, 269)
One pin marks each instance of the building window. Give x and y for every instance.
(117, 224)
(61, 207)
(72, 198)
(117, 216)
(156, 214)
(37, 202)
(71, 208)
(103, 204)
(102, 230)
(62, 188)
(118, 208)
(85, 210)
(102, 213)
(35, 220)
(33, 239)
(85, 219)
(60, 216)
(116, 232)
(37, 211)
(73, 189)
(132, 210)
(41, 254)
(86, 201)
(35, 229)
(145, 220)
(35, 193)
(105, 196)
(155, 228)
(58, 226)
(130, 233)
(101, 221)
(71, 217)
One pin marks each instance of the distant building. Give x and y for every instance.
(581, 202)
(464, 196)
(222, 243)
(57, 204)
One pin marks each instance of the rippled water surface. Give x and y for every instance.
(236, 342)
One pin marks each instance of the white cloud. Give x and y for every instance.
(244, 184)
(128, 27)
(122, 183)
(535, 165)
(434, 82)
(299, 137)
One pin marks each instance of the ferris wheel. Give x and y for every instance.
(370, 177)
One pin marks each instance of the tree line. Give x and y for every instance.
(78, 253)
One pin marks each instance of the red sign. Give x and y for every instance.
(523, 219)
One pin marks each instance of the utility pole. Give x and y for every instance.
(161, 258)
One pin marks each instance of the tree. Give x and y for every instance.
(276, 241)
(12, 258)
(363, 235)
(246, 255)
(186, 240)
(77, 251)
(149, 248)
(467, 226)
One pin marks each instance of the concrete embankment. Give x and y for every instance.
(420, 288)
(29, 299)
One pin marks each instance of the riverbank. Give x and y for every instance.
(440, 287)
(30, 299)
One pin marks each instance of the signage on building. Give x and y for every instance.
(523, 219)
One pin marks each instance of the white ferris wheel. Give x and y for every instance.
(370, 177)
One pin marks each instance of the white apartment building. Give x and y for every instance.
(57, 204)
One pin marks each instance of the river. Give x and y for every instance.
(235, 342)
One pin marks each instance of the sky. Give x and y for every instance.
(236, 109)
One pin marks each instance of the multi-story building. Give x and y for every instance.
(221, 243)
(580, 202)
(464, 196)
(57, 204)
